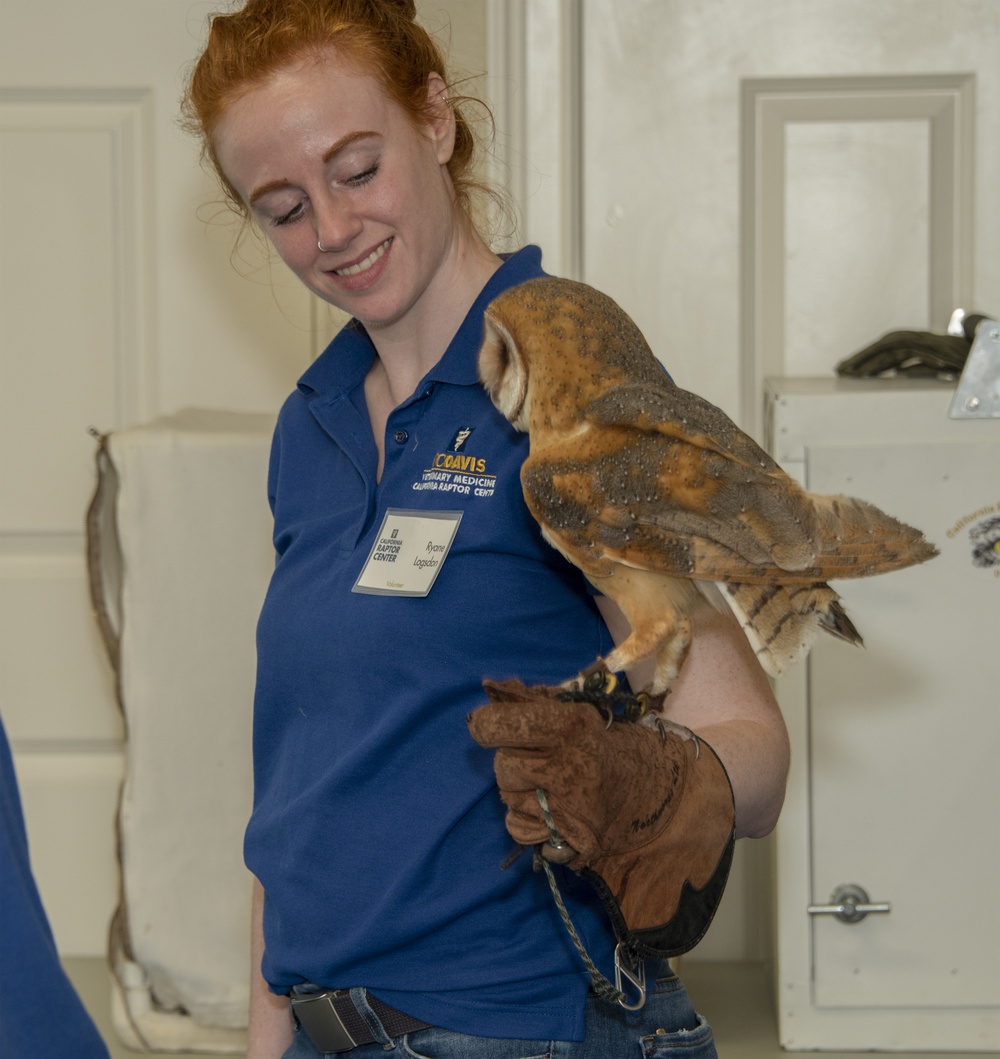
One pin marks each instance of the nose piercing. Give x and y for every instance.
(321, 248)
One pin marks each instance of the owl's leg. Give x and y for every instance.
(665, 638)
(655, 611)
(671, 658)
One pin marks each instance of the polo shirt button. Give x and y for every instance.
(401, 436)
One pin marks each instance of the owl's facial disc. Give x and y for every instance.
(502, 373)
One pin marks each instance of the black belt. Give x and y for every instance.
(333, 1024)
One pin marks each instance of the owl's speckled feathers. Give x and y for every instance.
(659, 498)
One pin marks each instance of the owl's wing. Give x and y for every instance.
(654, 500)
(664, 408)
(657, 503)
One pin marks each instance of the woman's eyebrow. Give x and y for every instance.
(332, 151)
(346, 141)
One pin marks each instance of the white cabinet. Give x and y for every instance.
(895, 785)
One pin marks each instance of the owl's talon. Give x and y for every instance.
(665, 728)
(600, 682)
(593, 682)
(637, 707)
(599, 686)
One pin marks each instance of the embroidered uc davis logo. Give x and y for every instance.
(458, 441)
(455, 470)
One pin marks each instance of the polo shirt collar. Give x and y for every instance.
(342, 366)
(457, 366)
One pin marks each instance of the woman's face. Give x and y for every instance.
(321, 155)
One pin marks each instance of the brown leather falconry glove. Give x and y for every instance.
(648, 814)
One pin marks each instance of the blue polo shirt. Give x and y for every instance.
(41, 1015)
(377, 829)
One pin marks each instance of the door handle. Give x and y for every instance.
(850, 904)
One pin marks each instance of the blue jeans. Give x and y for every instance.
(667, 1026)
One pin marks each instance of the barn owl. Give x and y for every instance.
(659, 498)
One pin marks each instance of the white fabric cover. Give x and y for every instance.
(189, 569)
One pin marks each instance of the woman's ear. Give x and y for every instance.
(440, 118)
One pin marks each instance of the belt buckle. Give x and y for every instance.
(322, 1024)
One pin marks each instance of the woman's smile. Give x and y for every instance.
(367, 263)
(362, 272)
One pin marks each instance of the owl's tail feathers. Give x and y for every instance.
(855, 539)
(782, 621)
(860, 540)
(835, 621)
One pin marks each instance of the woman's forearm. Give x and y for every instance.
(724, 696)
(270, 1031)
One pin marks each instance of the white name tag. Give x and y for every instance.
(410, 549)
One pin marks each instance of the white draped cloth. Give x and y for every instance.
(180, 550)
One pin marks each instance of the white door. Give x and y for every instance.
(766, 186)
(118, 302)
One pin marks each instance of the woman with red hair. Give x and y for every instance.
(408, 569)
